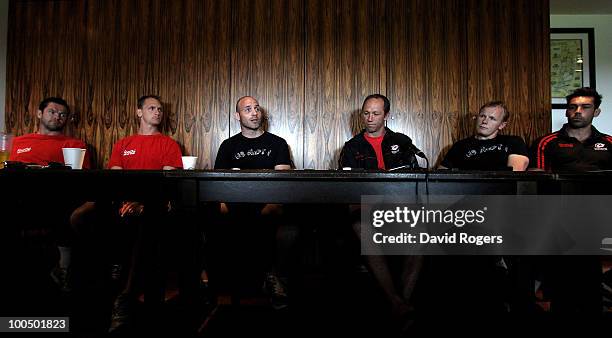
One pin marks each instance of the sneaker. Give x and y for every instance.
(61, 277)
(276, 288)
(607, 295)
(122, 313)
(115, 272)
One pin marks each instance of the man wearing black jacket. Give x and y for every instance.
(574, 283)
(378, 147)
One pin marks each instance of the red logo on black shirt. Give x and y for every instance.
(566, 145)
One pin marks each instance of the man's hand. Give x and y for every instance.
(131, 209)
(518, 162)
(272, 209)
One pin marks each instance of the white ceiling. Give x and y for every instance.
(580, 7)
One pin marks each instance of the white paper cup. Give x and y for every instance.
(189, 162)
(74, 157)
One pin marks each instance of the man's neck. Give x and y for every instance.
(581, 134)
(50, 133)
(482, 138)
(250, 133)
(148, 130)
(376, 133)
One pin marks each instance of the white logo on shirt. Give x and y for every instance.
(129, 152)
(23, 150)
(251, 152)
(600, 146)
(394, 149)
(486, 149)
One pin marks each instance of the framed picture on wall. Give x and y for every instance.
(572, 62)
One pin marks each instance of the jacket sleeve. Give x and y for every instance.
(409, 158)
(347, 159)
(536, 155)
(412, 160)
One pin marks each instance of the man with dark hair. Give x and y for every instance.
(585, 92)
(149, 149)
(578, 145)
(487, 150)
(379, 148)
(44, 147)
(143, 99)
(574, 282)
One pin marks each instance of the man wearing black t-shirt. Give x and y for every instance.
(487, 150)
(574, 282)
(254, 148)
(481, 286)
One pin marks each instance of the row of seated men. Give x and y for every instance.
(574, 284)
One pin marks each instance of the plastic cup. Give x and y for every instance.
(74, 157)
(189, 162)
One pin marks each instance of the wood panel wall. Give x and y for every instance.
(309, 62)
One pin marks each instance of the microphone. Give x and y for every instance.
(415, 150)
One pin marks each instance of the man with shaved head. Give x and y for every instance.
(255, 148)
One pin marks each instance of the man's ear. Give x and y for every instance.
(502, 125)
(39, 114)
(237, 115)
(597, 111)
(139, 113)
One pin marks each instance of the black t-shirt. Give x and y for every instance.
(474, 154)
(560, 152)
(262, 152)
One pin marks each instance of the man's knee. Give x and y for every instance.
(82, 216)
(272, 210)
(287, 233)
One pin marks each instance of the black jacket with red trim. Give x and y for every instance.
(560, 152)
(396, 148)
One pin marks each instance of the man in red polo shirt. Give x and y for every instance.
(149, 149)
(44, 147)
(46, 144)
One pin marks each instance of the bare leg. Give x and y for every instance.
(82, 218)
(410, 274)
(379, 267)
